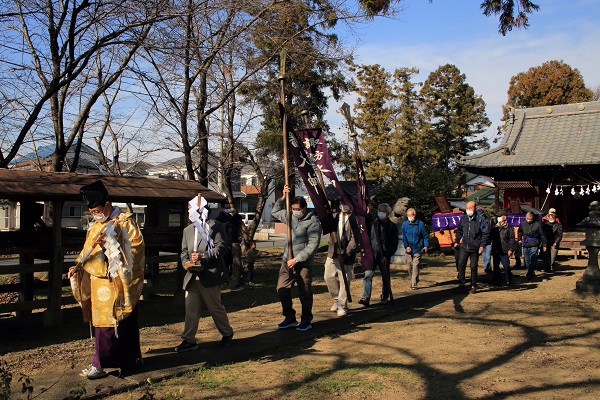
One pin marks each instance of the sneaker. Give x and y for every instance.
(304, 326)
(334, 307)
(341, 312)
(287, 323)
(226, 341)
(186, 346)
(413, 287)
(93, 373)
(473, 290)
(364, 302)
(383, 300)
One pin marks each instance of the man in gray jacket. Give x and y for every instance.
(306, 235)
(205, 272)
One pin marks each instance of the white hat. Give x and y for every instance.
(552, 211)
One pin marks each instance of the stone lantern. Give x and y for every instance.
(590, 281)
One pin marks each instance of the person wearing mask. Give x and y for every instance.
(553, 231)
(107, 282)
(502, 238)
(472, 236)
(487, 251)
(416, 241)
(384, 240)
(341, 256)
(531, 236)
(306, 235)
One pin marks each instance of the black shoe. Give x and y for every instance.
(530, 276)
(186, 346)
(364, 302)
(383, 299)
(226, 341)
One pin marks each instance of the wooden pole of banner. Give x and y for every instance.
(385, 270)
(286, 172)
(333, 235)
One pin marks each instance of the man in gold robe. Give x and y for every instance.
(107, 281)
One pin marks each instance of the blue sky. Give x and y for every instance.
(426, 35)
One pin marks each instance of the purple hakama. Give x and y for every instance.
(118, 352)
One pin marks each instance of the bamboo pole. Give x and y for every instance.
(286, 172)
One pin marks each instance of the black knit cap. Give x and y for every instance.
(94, 194)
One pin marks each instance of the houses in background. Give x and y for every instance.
(245, 185)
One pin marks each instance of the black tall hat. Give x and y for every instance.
(94, 194)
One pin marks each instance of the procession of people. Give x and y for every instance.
(108, 275)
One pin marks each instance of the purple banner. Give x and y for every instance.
(312, 183)
(361, 212)
(316, 148)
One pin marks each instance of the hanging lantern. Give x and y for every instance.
(587, 191)
(573, 191)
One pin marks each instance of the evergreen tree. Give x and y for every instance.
(454, 115)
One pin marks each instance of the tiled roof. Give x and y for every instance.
(559, 135)
(480, 194)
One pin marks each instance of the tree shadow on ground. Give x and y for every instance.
(439, 384)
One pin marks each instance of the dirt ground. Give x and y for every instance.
(533, 340)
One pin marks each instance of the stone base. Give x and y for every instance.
(588, 286)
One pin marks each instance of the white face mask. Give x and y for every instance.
(344, 208)
(227, 210)
(411, 219)
(470, 213)
(297, 214)
(100, 217)
(381, 215)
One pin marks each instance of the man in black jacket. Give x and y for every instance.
(472, 236)
(531, 235)
(553, 231)
(384, 240)
(502, 238)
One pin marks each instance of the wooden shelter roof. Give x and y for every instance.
(48, 186)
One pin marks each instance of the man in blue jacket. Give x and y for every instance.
(415, 239)
(472, 236)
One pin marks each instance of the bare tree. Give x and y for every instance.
(52, 50)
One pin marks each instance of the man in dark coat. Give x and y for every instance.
(531, 236)
(384, 240)
(502, 238)
(471, 236)
(553, 231)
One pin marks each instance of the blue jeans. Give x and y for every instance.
(497, 259)
(368, 280)
(530, 254)
(487, 257)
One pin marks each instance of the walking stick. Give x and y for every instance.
(333, 234)
(288, 207)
